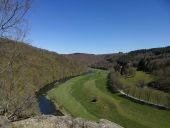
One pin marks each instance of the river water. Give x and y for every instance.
(47, 107)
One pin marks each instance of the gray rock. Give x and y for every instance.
(107, 124)
(4, 123)
(1, 110)
(62, 122)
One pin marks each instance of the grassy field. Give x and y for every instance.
(139, 76)
(77, 94)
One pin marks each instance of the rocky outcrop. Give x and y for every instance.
(62, 122)
(4, 123)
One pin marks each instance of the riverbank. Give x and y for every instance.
(46, 105)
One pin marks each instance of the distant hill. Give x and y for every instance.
(86, 59)
(155, 61)
(101, 61)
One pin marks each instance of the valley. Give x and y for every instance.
(54, 84)
(84, 64)
(88, 97)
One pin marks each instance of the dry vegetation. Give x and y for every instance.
(24, 70)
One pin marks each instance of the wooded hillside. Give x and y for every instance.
(24, 69)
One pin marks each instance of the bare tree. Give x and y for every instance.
(133, 91)
(147, 94)
(12, 14)
(15, 88)
(127, 89)
(158, 98)
(12, 25)
(168, 101)
(15, 92)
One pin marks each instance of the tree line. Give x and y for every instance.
(139, 91)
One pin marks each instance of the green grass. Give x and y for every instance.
(139, 75)
(76, 95)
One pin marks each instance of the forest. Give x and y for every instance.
(25, 69)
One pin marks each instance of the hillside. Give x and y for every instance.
(155, 61)
(86, 59)
(44, 65)
(24, 69)
(101, 61)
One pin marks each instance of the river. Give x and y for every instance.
(46, 106)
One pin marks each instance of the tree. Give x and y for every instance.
(113, 82)
(147, 94)
(12, 22)
(127, 89)
(139, 93)
(141, 83)
(144, 64)
(133, 91)
(158, 97)
(16, 94)
(129, 72)
(168, 101)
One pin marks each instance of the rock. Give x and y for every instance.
(1, 110)
(62, 122)
(107, 124)
(4, 123)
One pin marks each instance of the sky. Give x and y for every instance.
(99, 26)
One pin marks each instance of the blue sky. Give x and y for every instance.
(99, 26)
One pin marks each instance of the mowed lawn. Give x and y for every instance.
(87, 97)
